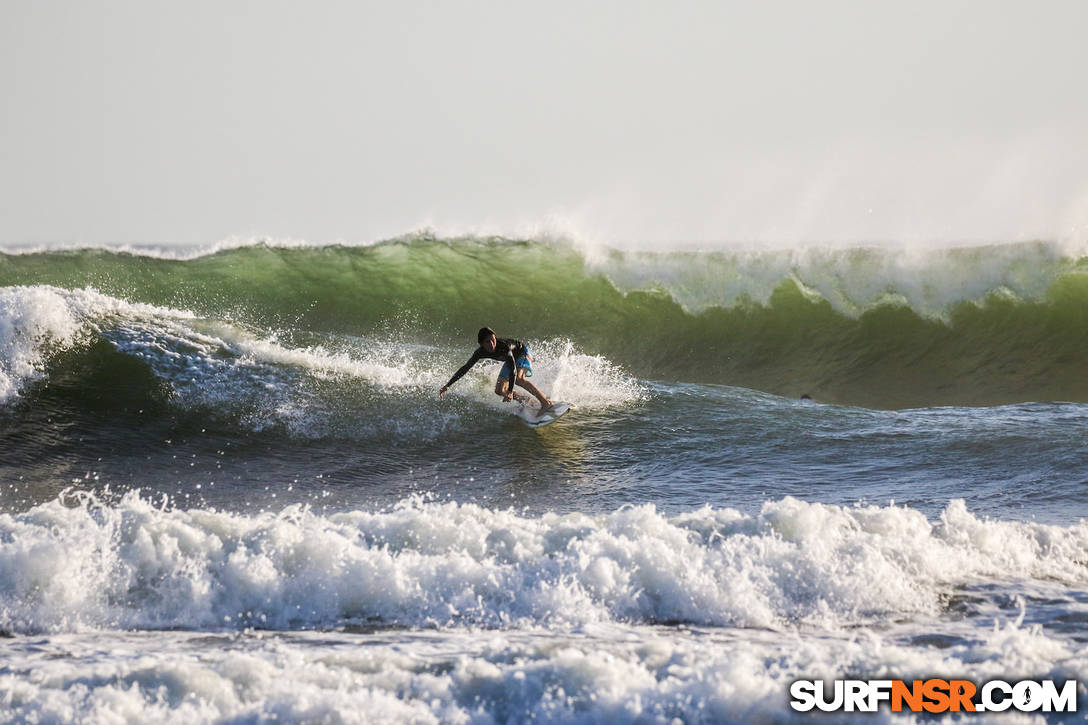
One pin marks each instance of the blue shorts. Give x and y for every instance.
(523, 364)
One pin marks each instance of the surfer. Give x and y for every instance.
(514, 354)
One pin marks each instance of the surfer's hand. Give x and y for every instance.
(442, 392)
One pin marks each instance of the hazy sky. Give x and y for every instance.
(706, 122)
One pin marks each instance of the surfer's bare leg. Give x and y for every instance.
(501, 388)
(521, 381)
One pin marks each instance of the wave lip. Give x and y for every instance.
(133, 565)
(39, 322)
(852, 278)
(31, 321)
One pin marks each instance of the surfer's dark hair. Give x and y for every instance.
(483, 334)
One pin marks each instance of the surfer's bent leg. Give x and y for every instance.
(521, 381)
(502, 385)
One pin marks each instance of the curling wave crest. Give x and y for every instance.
(304, 384)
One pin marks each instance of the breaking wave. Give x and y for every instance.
(875, 327)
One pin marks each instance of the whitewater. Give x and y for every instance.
(229, 491)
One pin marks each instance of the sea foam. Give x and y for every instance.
(82, 564)
(607, 674)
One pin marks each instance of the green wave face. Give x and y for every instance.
(976, 326)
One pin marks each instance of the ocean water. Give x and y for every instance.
(229, 491)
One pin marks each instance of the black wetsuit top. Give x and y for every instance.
(505, 351)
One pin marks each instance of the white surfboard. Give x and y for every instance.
(535, 419)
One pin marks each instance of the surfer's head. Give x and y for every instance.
(486, 338)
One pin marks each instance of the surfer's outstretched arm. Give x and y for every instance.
(460, 373)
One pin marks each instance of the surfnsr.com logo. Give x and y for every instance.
(934, 695)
